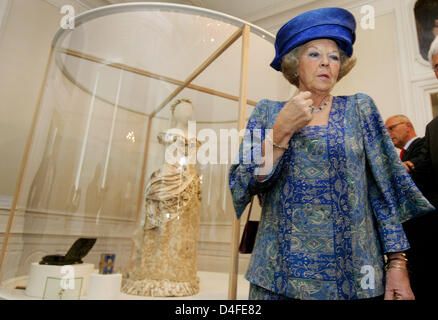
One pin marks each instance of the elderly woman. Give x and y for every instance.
(337, 193)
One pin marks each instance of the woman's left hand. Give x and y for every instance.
(397, 285)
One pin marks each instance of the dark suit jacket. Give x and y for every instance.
(430, 149)
(414, 154)
(414, 150)
(426, 165)
(421, 230)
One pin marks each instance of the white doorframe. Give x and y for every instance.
(4, 7)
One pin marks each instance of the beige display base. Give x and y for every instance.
(104, 286)
(213, 286)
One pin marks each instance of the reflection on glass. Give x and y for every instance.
(42, 184)
(426, 19)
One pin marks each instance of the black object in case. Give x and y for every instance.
(75, 254)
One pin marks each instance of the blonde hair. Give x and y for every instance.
(290, 62)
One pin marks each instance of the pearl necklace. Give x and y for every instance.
(315, 110)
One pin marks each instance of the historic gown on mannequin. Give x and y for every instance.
(166, 257)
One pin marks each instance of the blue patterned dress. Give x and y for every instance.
(332, 205)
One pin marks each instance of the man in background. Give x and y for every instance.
(403, 136)
(417, 230)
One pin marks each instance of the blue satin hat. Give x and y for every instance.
(336, 24)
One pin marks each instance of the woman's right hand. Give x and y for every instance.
(295, 115)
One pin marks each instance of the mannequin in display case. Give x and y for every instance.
(166, 250)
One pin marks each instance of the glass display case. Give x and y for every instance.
(96, 164)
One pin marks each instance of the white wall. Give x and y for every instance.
(25, 37)
(27, 29)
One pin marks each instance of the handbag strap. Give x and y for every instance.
(250, 209)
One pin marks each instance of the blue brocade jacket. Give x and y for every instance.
(332, 205)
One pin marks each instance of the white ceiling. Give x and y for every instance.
(248, 10)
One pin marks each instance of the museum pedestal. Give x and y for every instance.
(104, 286)
(41, 274)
